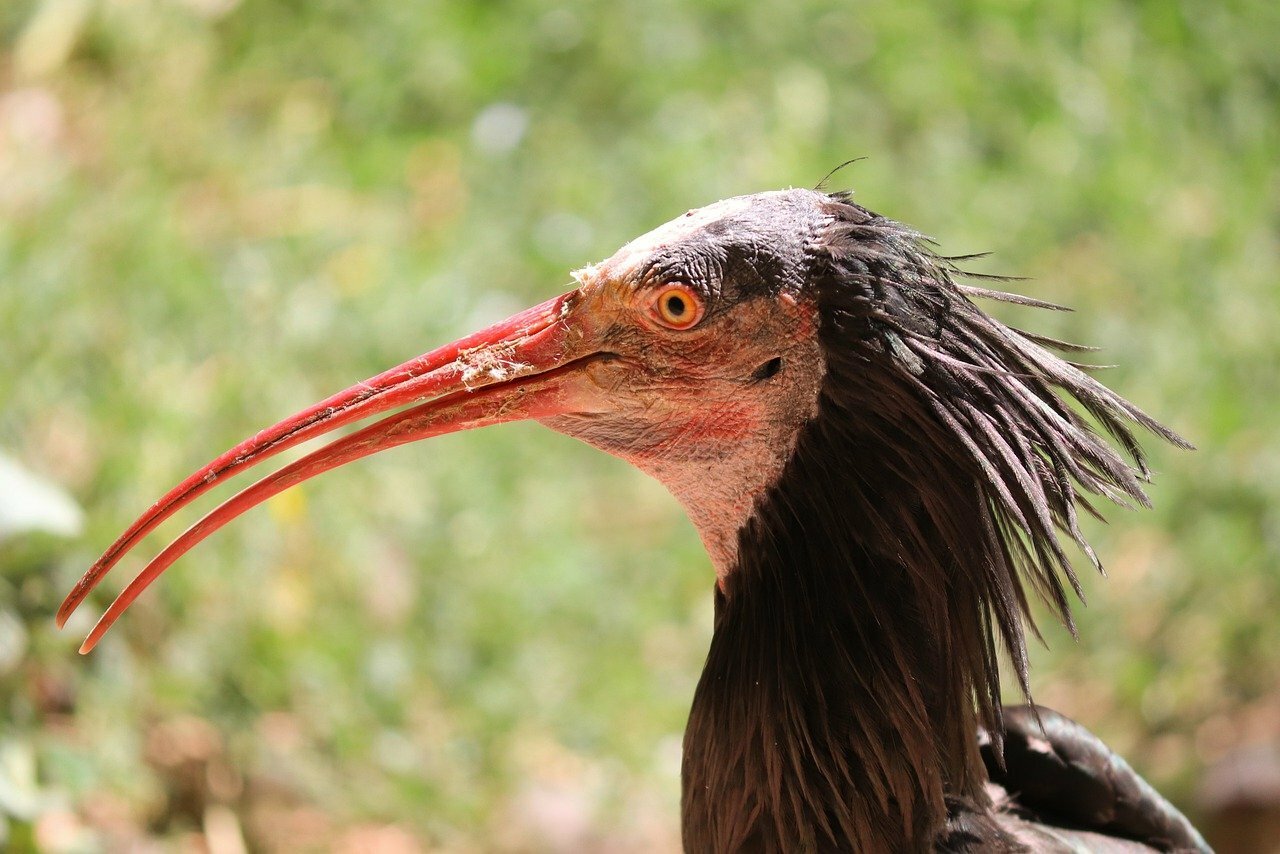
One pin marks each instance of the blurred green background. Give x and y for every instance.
(214, 212)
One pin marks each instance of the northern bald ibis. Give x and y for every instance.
(879, 470)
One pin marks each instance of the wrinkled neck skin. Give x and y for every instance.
(716, 446)
(718, 487)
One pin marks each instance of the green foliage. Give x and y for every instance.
(215, 212)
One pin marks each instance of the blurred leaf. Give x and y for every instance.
(30, 503)
(19, 791)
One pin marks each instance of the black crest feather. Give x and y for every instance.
(856, 643)
(992, 400)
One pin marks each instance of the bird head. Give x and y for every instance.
(704, 352)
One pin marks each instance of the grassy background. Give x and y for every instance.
(214, 212)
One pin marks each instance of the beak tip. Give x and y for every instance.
(437, 384)
(65, 610)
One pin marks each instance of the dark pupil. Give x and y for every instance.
(675, 306)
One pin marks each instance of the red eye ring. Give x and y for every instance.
(677, 307)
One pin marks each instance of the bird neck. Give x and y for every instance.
(837, 704)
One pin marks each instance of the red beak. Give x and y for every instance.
(517, 369)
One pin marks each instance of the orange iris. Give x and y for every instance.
(677, 307)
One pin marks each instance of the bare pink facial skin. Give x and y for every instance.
(693, 416)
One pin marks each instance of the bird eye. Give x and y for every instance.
(677, 307)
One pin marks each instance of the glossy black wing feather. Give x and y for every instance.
(1059, 773)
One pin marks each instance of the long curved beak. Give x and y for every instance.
(523, 367)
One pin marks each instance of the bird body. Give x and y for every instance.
(879, 471)
(1053, 768)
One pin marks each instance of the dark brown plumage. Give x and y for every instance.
(860, 630)
(880, 471)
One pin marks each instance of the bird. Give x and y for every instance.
(884, 477)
